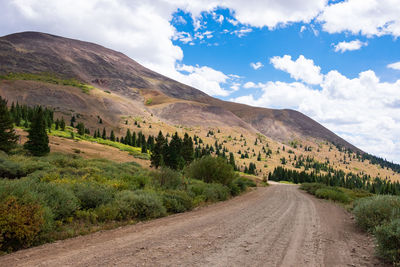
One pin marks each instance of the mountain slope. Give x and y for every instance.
(32, 52)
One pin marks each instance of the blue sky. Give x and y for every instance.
(336, 61)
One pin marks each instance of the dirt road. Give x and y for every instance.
(275, 226)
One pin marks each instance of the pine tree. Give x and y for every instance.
(174, 152)
(81, 128)
(73, 120)
(38, 141)
(259, 156)
(156, 153)
(112, 136)
(104, 135)
(128, 138)
(187, 149)
(57, 126)
(144, 147)
(232, 160)
(62, 124)
(8, 138)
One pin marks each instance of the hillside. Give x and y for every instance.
(96, 84)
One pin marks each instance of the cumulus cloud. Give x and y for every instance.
(256, 65)
(363, 110)
(349, 46)
(368, 17)
(242, 32)
(267, 13)
(395, 66)
(302, 69)
(205, 78)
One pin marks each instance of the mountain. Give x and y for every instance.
(132, 85)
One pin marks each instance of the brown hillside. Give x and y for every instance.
(32, 52)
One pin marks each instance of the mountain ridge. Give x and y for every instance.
(33, 52)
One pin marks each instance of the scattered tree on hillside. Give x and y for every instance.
(38, 141)
(8, 138)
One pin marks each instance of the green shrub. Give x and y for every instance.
(235, 189)
(311, 187)
(215, 192)
(108, 212)
(211, 170)
(92, 195)
(177, 201)
(139, 204)
(388, 241)
(20, 223)
(377, 210)
(167, 178)
(61, 200)
(332, 193)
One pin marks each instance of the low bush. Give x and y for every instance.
(177, 201)
(388, 241)
(332, 193)
(92, 195)
(377, 210)
(311, 187)
(20, 223)
(60, 199)
(211, 170)
(167, 178)
(139, 204)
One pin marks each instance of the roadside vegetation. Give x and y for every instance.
(48, 196)
(376, 214)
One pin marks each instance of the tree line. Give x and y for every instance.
(337, 178)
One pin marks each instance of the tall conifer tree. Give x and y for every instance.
(8, 138)
(38, 141)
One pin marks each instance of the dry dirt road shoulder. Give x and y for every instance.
(274, 226)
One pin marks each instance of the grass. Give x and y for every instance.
(285, 182)
(48, 78)
(134, 151)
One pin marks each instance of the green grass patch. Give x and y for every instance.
(48, 78)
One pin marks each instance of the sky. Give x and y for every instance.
(336, 61)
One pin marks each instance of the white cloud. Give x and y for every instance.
(256, 65)
(184, 37)
(368, 17)
(363, 110)
(242, 32)
(349, 46)
(232, 21)
(249, 85)
(302, 69)
(204, 78)
(303, 28)
(266, 13)
(395, 66)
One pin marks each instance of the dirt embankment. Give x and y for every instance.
(275, 226)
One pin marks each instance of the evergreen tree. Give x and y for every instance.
(81, 128)
(73, 120)
(62, 124)
(175, 148)
(128, 138)
(112, 136)
(8, 138)
(57, 126)
(38, 141)
(187, 149)
(232, 160)
(104, 135)
(259, 156)
(144, 147)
